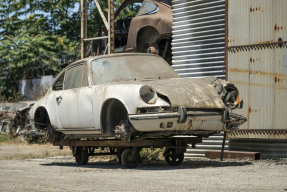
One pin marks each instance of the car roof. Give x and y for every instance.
(107, 56)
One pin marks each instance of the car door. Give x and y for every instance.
(67, 101)
(53, 100)
(85, 102)
(75, 101)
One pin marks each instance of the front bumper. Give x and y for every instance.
(185, 121)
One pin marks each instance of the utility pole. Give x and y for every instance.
(84, 18)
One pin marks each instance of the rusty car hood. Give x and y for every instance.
(191, 93)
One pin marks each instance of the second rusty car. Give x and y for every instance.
(147, 28)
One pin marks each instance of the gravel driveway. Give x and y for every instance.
(196, 174)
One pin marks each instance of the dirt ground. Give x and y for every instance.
(54, 173)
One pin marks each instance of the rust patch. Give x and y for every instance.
(280, 42)
(253, 60)
(260, 85)
(256, 8)
(250, 9)
(253, 9)
(278, 75)
(276, 80)
(250, 59)
(249, 109)
(263, 42)
(238, 70)
(275, 27)
(189, 126)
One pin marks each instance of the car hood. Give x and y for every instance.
(191, 93)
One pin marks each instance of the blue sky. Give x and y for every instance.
(75, 9)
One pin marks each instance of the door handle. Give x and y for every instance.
(59, 98)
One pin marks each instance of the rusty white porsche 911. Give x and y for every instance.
(134, 96)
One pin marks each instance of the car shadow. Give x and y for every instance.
(157, 165)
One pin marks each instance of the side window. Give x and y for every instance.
(59, 83)
(129, 10)
(85, 81)
(147, 7)
(74, 77)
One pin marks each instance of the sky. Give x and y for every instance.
(76, 8)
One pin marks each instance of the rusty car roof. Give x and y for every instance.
(110, 55)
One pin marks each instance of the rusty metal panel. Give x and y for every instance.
(258, 68)
(198, 38)
(215, 154)
(256, 21)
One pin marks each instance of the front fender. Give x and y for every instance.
(127, 94)
(49, 104)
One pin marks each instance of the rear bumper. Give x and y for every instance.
(184, 121)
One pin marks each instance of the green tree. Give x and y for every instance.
(41, 35)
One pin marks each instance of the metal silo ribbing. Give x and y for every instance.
(198, 38)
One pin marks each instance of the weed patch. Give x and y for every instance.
(5, 138)
(151, 155)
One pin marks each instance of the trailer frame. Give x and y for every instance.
(128, 152)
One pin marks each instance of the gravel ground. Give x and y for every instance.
(195, 174)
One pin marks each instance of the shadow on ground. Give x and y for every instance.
(158, 165)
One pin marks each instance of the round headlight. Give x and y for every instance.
(148, 95)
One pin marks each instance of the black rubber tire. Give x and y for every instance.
(174, 160)
(81, 156)
(128, 163)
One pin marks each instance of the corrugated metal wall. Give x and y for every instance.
(211, 143)
(269, 149)
(198, 42)
(257, 64)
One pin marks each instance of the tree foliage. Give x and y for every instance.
(41, 36)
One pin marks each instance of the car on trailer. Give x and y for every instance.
(136, 100)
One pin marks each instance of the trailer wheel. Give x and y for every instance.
(127, 161)
(172, 158)
(81, 156)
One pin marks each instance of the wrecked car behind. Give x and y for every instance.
(14, 120)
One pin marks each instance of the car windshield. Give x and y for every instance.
(17, 106)
(147, 7)
(130, 67)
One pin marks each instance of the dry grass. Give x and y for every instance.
(151, 155)
(4, 139)
(42, 155)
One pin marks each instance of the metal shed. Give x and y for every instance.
(245, 42)
(257, 64)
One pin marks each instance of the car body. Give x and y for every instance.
(133, 95)
(15, 118)
(149, 30)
